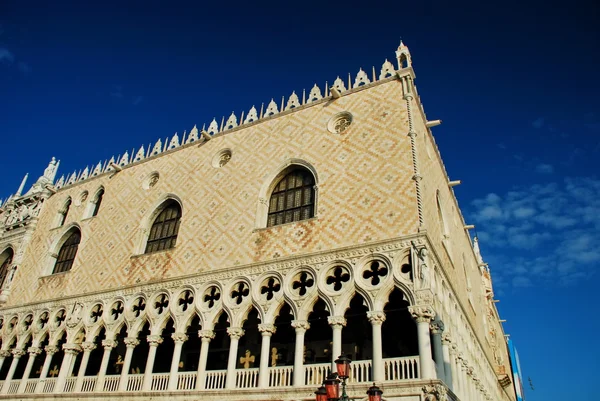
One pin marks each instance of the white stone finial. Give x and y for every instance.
(293, 101)
(271, 109)
(361, 79)
(252, 115)
(231, 121)
(315, 94)
(72, 179)
(193, 136)
(125, 159)
(403, 56)
(97, 169)
(61, 182)
(387, 70)
(85, 174)
(339, 84)
(477, 251)
(213, 127)
(157, 148)
(50, 171)
(174, 142)
(22, 186)
(140, 154)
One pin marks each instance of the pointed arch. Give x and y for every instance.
(161, 228)
(69, 245)
(6, 259)
(93, 206)
(64, 212)
(288, 194)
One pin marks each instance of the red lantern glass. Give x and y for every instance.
(342, 365)
(332, 386)
(321, 394)
(374, 393)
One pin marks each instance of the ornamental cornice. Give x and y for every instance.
(387, 247)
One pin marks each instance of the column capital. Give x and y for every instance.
(447, 340)
(17, 353)
(50, 349)
(300, 325)
(334, 321)
(5, 353)
(34, 351)
(154, 340)
(88, 346)
(436, 327)
(179, 337)
(267, 329)
(71, 348)
(109, 344)
(376, 317)
(235, 332)
(131, 342)
(422, 313)
(206, 335)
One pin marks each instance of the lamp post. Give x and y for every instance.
(330, 390)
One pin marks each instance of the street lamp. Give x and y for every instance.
(330, 390)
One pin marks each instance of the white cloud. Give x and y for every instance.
(543, 168)
(542, 234)
(6, 56)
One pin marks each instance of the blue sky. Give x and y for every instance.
(516, 86)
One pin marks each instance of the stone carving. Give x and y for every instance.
(231, 121)
(252, 115)
(422, 313)
(361, 79)
(131, 342)
(435, 392)
(75, 316)
(300, 325)
(174, 142)
(336, 321)
(206, 335)
(235, 332)
(436, 327)
(213, 127)
(292, 102)
(339, 84)
(376, 317)
(154, 340)
(267, 329)
(387, 69)
(179, 337)
(315, 94)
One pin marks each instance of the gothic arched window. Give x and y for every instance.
(97, 202)
(163, 233)
(63, 213)
(6, 260)
(68, 250)
(293, 198)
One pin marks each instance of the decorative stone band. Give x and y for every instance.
(336, 321)
(235, 332)
(154, 340)
(376, 317)
(300, 325)
(206, 335)
(34, 350)
(131, 342)
(71, 348)
(109, 344)
(50, 349)
(17, 353)
(88, 346)
(5, 353)
(436, 327)
(267, 329)
(422, 313)
(179, 337)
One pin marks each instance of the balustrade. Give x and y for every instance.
(111, 383)
(89, 384)
(281, 376)
(186, 381)
(215, 379)
(31, 385)
(160, 381)
(70, 384)
(136, 381)
(14, 386)
(247, 378)
(405, 368)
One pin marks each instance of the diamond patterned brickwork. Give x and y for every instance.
(365, 193)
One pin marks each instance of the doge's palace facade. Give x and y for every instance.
(237, 261)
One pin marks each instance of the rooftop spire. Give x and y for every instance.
(20, 190)
(403, 56)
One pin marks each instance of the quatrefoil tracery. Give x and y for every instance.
(303, 283)
(338, 277)
(185, 300)
(138, 307)
(117, 310)
(96, 313)
(240, 292)
(161, 304)
(43, 320)
(270, 288)
(212, 296)
(61, 315)
(375, 272)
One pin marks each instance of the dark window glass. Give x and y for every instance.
(163, 233)
(67, 253)
(292, 199)
(5, 265)
(98, 202)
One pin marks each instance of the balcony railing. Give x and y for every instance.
(396, 369)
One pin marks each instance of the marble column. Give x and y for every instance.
(154, 341)
(87, 347)
(50, 351)
(453, 365)
(437, 328)
(33, 353)
(300, 326)
(17, 354)
(377, 318)
(423, 315)
(235, 333)
(66, 368)
(205, 337)
(337, 323)
(178, 339)
(266, 331)
(108, 345)
(130, 344)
